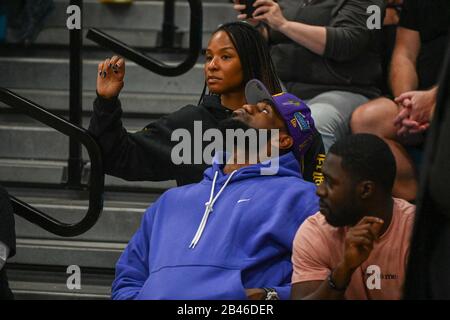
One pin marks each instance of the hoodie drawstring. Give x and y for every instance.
(209, 208)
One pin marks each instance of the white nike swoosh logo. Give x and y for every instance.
(243, 200)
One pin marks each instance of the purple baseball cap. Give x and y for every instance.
(295, 113)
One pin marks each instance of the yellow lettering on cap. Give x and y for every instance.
(318, 178)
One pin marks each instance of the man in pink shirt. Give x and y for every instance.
(357, 246)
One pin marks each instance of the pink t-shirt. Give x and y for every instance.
(319, 247)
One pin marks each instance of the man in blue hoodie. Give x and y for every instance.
(229, 236)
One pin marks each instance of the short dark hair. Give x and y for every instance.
(367, 157)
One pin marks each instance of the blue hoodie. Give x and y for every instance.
(246, 241)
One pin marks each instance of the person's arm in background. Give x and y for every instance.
(403, 75)
(269, 12)
(313, 38)
(392, 12)
(422, 103)
(347, 38)
(420, 107)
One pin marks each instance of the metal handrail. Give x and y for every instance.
(75, 161)
(152, 64)
(96, 179)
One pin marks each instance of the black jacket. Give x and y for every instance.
(429, 259)
(146, 155)
(351, 61)
(8, 237)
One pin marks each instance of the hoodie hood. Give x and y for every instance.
(288, 166)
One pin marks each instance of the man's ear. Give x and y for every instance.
(286, 141)
(366, 189)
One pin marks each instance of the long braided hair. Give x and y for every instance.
(254, 54)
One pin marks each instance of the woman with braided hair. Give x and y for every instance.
(235, 54)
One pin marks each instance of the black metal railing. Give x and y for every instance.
(96, 179)
(168, 28)
(150, 63)
(75, 162)
(72, 128)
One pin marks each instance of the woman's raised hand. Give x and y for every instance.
(110, 77)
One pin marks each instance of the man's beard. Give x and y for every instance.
(344, 218)
(339, 222)
(234, 124)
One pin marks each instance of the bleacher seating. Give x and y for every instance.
(33, 158)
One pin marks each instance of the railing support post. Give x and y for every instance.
(75, 164)
(168, 27)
